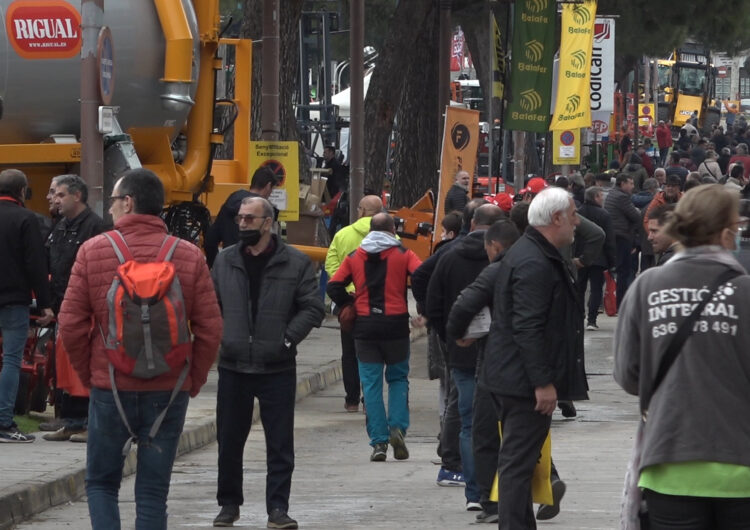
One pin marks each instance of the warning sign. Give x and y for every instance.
(566, 147)
(283, 159)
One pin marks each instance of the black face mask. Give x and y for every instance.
(249, 238)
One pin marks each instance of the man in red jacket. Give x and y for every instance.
(135, 205)
(664, 141)
(379, 269)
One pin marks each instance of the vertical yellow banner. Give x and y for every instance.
(460, 142)
(573, 103)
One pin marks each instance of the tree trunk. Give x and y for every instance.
(416, 161)
(386, 85)
(290, 12)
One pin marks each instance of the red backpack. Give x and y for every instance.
(147, 331)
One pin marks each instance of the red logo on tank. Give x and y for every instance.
(47, 29)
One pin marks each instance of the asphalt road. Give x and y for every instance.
(335, 486)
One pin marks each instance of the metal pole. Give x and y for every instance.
(92, 144)
(444, 62)
(490, 88)
(269, 120)
(357, 107)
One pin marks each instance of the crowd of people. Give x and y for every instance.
(506, 295)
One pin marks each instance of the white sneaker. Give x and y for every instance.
(473, 506)
(592, 327)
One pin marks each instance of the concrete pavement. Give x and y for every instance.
(335, 485)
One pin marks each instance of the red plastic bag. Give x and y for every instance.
(610, 295)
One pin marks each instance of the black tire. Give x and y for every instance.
(38, 401)
(713, 117)
(22, 397)
(662, 112)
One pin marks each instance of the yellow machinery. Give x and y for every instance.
(165, 62)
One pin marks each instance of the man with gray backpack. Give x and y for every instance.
(142, 326)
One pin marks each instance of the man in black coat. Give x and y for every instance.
(534, 351)
(592, 210)
(458, 194)
(625, 221)
(23, 270)
(460, 266)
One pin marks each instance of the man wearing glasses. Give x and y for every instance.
(269, 299)
(135, 205)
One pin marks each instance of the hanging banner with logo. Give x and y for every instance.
(573, 103)
(531, 66)
(457, 51)
(602, 78)
(459, 153)
(566, 147)
(498, 64)
(283, 159)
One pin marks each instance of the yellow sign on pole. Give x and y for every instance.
(566, 147)
(283, 159)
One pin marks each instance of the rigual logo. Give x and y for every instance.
(530, 100)
(536, 6)
(534, 51)
(581, 14)
(573, 102)
(578, 59)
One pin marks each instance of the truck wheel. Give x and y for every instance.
(713, 117)
(22, 397)
(662, 112)
(38, 402)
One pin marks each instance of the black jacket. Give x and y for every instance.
(456, 199)
(289, 306)
(22, 262)
(596, 214)
(536, 336)
(625, 217)
(62, 247)
(456, 269)
(420, 280)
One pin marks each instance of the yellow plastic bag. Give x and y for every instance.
(541, 487)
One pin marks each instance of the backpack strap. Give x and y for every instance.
(159, 419)
(167, 248)
(119, 245)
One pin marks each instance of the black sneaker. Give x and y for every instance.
(548, 511)
(400, 452)
(486, 517)
(227, 516)
(591, 326)
(379, 452)
(12, 435)
(278, 518)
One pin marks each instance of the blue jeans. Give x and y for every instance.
(465, 383)
(14, 323)
(104, 459)
(396, 375)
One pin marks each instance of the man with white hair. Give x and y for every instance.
(534, 351)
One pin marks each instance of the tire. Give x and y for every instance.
(713, 117)
(22, 397)
(38, 400)
(662, 112)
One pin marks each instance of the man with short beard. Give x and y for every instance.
(458, 194)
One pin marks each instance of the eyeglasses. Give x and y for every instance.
(111, 200)
(248, 218)
(742, 224)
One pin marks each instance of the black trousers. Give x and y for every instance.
(234, 413)
(450, 428)
(350, 369)
(524, 432)
(673, 512)
(486, 443)
(595, 276)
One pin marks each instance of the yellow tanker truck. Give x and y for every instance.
(159, 69)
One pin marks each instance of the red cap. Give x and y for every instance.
(534, 186)
(503, 200)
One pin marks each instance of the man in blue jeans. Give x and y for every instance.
(135, 204)
(379, 269)
(24, 270)
(457, 268)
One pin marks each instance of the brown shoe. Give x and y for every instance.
(81, 437)
(352, 407)
(52, 426)
(61, 435)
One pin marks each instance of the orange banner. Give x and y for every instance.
(460, 142)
